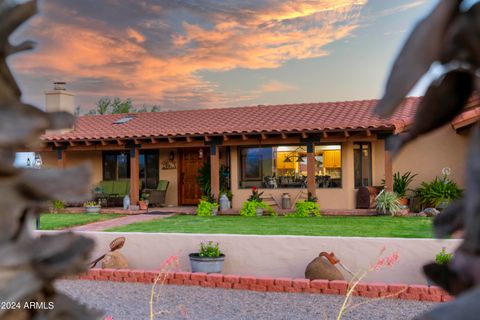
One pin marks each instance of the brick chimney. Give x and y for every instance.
(59, 99)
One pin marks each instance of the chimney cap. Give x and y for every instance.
(59, 85)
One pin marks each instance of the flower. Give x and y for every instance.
(254, 189)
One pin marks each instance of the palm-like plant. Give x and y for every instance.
(401, 183)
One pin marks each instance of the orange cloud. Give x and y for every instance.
(168, 73)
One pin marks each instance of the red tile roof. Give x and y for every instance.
(272, 118)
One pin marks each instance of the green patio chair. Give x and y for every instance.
(156, 197)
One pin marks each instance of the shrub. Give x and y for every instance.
(387, 203)
(57, 205)
(209, 249)
(305, 209)
(438, 190)
(205, 208)
(443, 257)
(249, 208)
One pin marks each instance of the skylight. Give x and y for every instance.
(123, 120)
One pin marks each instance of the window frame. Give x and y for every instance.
(241, 166)
(117, 154)
(370, 178)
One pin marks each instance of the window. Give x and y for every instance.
(286, 166)
(116, 165)
(148, 169)
(362, 162)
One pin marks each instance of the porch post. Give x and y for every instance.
(61, 158)
(134, 179)
(388, 171)
(311, 164)
(214, 170)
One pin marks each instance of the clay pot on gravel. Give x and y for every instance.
(322, 267)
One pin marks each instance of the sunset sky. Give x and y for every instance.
(183, 54)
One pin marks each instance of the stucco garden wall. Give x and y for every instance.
(280, 256)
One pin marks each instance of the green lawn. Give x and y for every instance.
(396, 227)
(51, 221)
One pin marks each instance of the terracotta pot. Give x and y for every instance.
(403, 201)
(143, 205)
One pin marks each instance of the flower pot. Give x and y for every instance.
(403, 201)
(214, 211)
(206, 264)
(93, 209)
(143, 205)
(259, 212)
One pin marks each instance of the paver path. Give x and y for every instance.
(102, 225)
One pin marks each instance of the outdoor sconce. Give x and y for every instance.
(171, 156)
(200, 153)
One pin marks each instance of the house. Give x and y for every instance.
(329, 149)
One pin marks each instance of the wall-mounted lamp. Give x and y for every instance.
(171, 156)
(200, 153)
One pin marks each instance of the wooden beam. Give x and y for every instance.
(134, 176)
(244, 137)
(153, 140)
(88, 143)
(388, 171)
(225, 137)
(345, 132)
(189, 139)
(120, 142)
(57, 144)
(215, 171)
(284, 136)
(171, 140)
(264, 136)
(311, 168)
(207, 138)
(304, 135)
(137, 141)
(104, 143)
(325, 134)
(72, 143)
(369, 133)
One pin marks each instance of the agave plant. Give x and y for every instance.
(388, 203)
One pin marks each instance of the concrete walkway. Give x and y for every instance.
(102, 225)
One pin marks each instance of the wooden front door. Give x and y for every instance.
(191, 162)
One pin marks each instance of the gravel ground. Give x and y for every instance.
(130, 301)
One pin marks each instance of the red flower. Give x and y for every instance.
(254, 189)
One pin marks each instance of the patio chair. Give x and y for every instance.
(156, 197)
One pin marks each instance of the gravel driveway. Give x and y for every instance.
(130, 301)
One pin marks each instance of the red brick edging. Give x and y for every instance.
(268, 284)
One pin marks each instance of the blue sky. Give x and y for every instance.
(204, 54)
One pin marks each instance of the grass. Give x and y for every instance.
(57, 221)
(395, 227)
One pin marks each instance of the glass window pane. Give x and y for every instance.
(286, 166)
(152, 172)
(109, 167)
(123, 166)
(362, 164)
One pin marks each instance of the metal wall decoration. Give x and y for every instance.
(450, 36)
(28, 263)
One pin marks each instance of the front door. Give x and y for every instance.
(191, 161)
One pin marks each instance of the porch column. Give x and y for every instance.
(388, 171)
(214, 170)
(61, 158)
(134, 179)
(311, 164)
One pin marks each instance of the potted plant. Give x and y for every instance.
(209, 259)
(143, 203)
(443, 257)
(400, 186)
(208, 206)
(92, 207)
(438, 193)
(254, 206)
(387, 203)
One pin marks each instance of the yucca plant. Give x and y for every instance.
(387, 203)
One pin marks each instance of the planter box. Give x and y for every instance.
(93, 210)
(206, 264)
